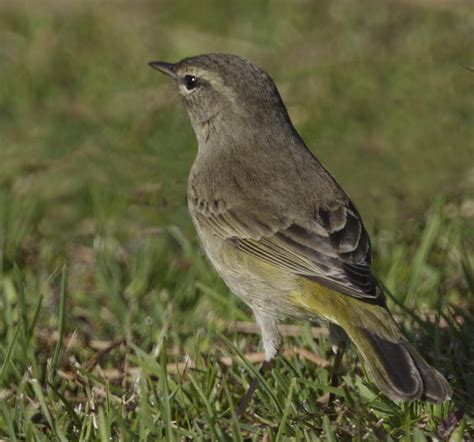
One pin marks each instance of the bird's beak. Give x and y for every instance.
(166, 68)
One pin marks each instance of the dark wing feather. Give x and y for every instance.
(332, 248)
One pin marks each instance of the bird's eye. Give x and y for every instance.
(190, 82)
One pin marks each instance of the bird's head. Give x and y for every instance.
(225, 92)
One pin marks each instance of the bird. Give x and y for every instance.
(278, 228)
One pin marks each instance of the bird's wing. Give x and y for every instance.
(332, 248)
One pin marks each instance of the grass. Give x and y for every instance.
(113, 324)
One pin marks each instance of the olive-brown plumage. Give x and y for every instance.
(278, 228)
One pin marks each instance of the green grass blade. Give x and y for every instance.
(61, 322)
(330, 435)
(286, 411)
(69, 408)
(210, 415)
(254, 372)
(34, 320)
(9, 421)
(165, 396)
(9, 354)
(428, 238)
(44, 408)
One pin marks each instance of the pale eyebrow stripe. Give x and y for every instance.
(215, 80)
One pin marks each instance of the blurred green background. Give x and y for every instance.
(95, 148)
(377, 90)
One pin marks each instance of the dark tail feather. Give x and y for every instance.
(398, 370)
(436, 388)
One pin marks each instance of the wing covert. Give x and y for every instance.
(331, 248)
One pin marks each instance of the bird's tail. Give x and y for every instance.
(394, 364)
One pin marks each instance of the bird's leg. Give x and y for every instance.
(251, 390)
(271, 343)
(338, 338)
(336, 366)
